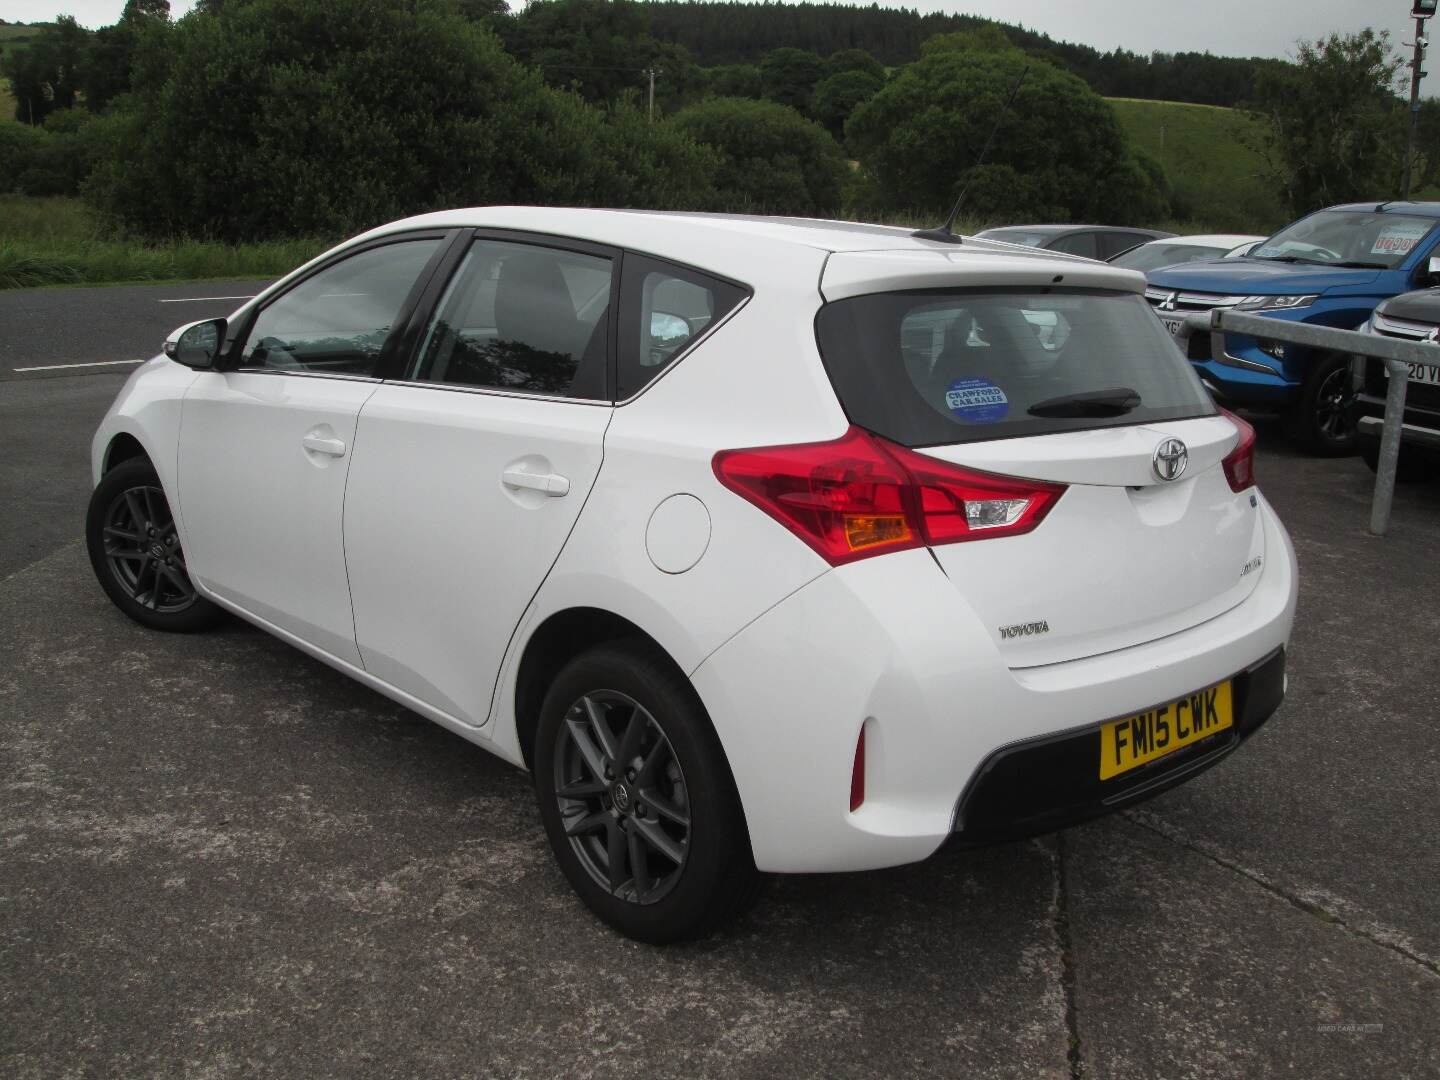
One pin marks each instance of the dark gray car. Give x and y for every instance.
(1412, 316)
(1092, 241)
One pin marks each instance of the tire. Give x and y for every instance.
(136, 554)
(1323, 422)
(670, 808)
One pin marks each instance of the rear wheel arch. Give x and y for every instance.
(558, 640)
(567, 634)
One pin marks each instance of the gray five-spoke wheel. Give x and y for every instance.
(142, 550)
(622, 796)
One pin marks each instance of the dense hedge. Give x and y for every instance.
(773, 160)
(49, 159)
(286, 117)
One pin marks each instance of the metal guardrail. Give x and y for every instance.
(1396, 352)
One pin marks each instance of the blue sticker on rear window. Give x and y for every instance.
(976, 400)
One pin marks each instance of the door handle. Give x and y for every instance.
(552, 484)
(323, 445)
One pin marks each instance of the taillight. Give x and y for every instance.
(861, 495)
(1239, 464)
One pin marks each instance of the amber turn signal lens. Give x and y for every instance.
(864, 531)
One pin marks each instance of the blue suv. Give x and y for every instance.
(1330, 268)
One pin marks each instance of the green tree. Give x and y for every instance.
(854, 60)
(837, 96)
(145, 9)
(309, 117)
(1332, 122)
(984, 38)
(772, 159)
(735, 80)
(483, 10)
(47, 159)
(788, 76)
(45, 75)
(1427, 146)
(110, 55)
(1058, 154)
(598, 48)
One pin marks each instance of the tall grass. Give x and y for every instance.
(53, 241)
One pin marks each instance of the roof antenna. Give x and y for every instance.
(945, 234)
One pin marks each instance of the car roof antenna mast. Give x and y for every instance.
(945, 234)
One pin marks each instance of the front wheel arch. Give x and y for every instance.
(1319, 422)
(122, 448)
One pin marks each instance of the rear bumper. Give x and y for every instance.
(1052, 782)
(889, 645)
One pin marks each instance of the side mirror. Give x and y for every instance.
(665, 327)
(196, 344)
(1432, 270)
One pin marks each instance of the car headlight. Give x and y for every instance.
(1276, 303)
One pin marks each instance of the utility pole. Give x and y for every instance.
(1423, 9)
(651, 72)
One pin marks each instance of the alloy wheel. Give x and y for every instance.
(623, 799)
(1334, 406)
(142, 550)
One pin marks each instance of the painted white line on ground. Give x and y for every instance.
(194, 299)
(65, 367)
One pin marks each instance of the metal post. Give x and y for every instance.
(1389, 446)
(651, 73)
(1399, 356)
(1416, 74)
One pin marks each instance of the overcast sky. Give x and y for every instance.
(1225, 27)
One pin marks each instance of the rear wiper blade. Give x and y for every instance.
(1113, 402)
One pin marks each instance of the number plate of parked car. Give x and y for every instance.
(1419, 373)
(1138, 740)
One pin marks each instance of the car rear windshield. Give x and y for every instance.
(935, 367)
(1154, 256)
(1357, 238)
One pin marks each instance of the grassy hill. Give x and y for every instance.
(1207, 152)
(18, 35)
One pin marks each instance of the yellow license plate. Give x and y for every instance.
(1136, 740)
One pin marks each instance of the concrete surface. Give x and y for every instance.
(219, 858)
(45, 430)
(46, 327)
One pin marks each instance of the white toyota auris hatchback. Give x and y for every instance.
(764, 545)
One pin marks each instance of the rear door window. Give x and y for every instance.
(938, 367)
(665, 309)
